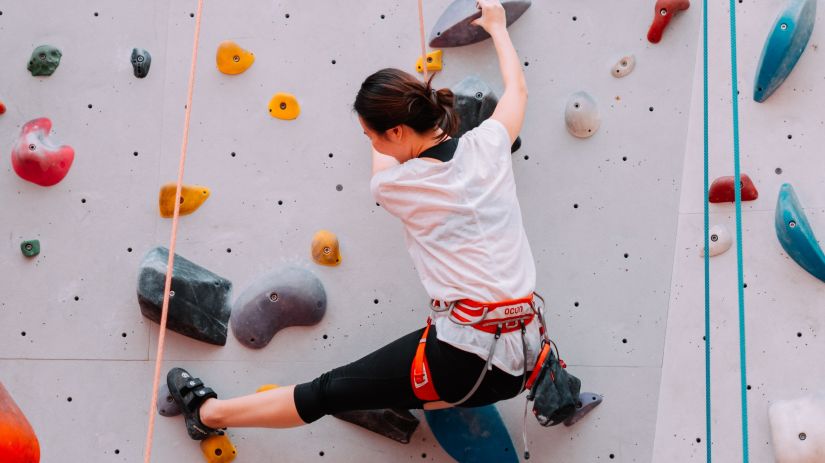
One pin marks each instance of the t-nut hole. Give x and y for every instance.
(714, 238)
(273, 296)
(479, 95)
(282, 105)
(235, 58)
(327, 250)
(663, 12)
(32, 147)
(783, 26)
(792, 224)
(802, 436)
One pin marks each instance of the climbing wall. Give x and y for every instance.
(781, 142)
(601, 215)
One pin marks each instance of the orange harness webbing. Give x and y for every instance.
(495, 318)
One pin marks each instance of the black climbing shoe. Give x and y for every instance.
(190, 394)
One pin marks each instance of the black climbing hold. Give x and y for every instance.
(286, 296)
(141, 60)
(475, 102)
(453, 28)
(396, 424)
(199, 305)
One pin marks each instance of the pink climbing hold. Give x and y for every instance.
(665, 10)
(37, 158)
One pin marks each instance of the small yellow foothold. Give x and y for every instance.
(325, 248)
(284, 106)
(191, 198)
(434, 62)
(218, 449)
(267, 387)
(232, 59)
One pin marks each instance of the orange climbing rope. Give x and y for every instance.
(423, 42)
(173, 239)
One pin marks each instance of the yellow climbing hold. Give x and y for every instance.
(267, 387)
(325, 249)
(218, 449)
(284, 106)
(232, 59)
(434, 62)
(191, 198)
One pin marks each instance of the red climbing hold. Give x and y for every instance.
(721, 190)
(2, 108)
(18, 443)
(37, 158)
(665, 9)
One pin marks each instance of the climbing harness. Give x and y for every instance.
(554, 391)
(494, 318)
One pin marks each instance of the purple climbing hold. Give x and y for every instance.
(198, 302)
(453, 28)
(166, 403)
(286, 296)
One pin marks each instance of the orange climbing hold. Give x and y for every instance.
(18, 443)
(434, 61)
(191, 198)
(232, 59)
(267, 387)
(325, 248)
(218, 449)
(284, 106)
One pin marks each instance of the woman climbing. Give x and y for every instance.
(463, 226)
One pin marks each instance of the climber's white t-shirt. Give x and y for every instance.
(464, 232)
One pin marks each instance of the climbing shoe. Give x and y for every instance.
(190, 394)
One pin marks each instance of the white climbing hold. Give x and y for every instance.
(624, 66)
(720, 240)
(797, 429)
(582, 115)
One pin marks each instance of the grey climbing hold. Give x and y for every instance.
(44, 60)
(286, 296)
(141, 61)
(199, 299)
(166, 403)
(587, 402)
(582, 115)
(453, 28)
(474, 103)
(396, 424)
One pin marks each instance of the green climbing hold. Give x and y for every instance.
(30, 248)
(44, 60)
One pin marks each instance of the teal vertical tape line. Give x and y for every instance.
(738, 200)
(707, 230)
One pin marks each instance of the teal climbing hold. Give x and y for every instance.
(783, 47)
(472, 435)
(30, 248)
(795, 233)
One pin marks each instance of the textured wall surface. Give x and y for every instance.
(781, 141)
(601, 214)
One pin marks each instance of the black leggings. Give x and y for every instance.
(382, 380)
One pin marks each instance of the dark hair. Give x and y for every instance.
(392, 97)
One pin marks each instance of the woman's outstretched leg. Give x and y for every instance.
(274, 408)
